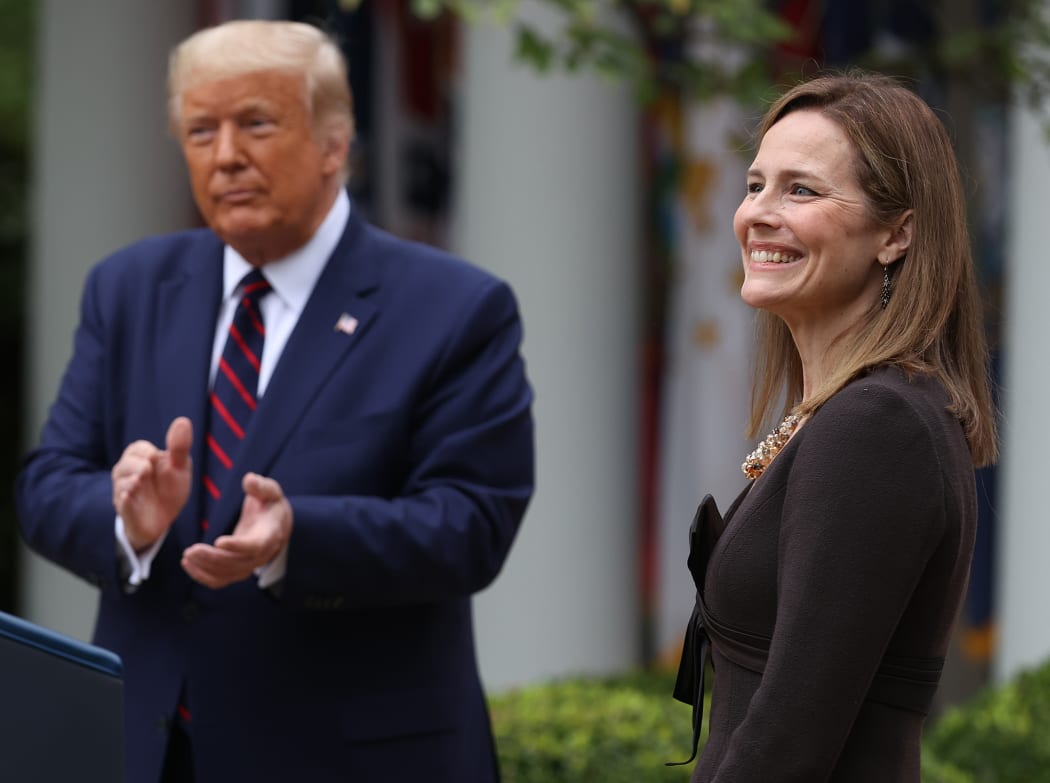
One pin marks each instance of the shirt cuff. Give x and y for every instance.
(274, 571)
(135, 564)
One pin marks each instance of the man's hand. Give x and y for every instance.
(261, 534)
(150, 486)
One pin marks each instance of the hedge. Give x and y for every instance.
(622, 730)
(593, 730)
(1000, 736)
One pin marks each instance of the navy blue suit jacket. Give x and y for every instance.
(406, 451)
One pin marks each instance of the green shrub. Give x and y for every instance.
(622, 730)
(1001, 736)
(936, 771)
(593, 730)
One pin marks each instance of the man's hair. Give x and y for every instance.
(903, 160)
(247, 46)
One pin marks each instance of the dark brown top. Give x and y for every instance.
(851, 551)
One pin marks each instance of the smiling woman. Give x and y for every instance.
(813, 253)
(827, 594)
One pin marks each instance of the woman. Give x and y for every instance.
(828, 594)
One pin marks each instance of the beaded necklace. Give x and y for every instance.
(758, 460)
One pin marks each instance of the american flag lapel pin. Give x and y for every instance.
(346, 324)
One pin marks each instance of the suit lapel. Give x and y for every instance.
(187, 306)
(314, 350)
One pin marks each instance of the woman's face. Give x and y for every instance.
(810, 247)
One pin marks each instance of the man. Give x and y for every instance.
(286, 489)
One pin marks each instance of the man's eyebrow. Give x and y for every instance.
(252, 104)
(249, 105)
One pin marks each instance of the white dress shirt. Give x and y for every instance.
(293, 279)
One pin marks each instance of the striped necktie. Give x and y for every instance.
(233, 396)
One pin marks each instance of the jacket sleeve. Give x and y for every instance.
(63, 492)
(449, 528)
(863, 512)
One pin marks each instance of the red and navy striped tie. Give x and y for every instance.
(233, 395)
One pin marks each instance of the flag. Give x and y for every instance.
(346, 324)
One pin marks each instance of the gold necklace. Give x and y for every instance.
(758, 460)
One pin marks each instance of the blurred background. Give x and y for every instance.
(592, 153)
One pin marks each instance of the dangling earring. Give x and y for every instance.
(884, 296)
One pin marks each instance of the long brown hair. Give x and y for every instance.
(932, 323)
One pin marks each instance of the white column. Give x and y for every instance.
(1024, 543)
(105, 173)
(549, 199)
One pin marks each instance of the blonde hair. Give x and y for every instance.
(250, 45)
(932, 324)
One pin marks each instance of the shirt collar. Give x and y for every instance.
(294, 276)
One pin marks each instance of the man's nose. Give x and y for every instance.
(227, 147)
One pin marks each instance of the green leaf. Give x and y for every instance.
(427, 9)
(532, 48)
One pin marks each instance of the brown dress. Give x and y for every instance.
(830, 593)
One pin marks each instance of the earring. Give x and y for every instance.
(884, 296)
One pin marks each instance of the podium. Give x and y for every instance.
(61, 707)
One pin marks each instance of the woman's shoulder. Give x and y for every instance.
(891, 388)
(893, 410)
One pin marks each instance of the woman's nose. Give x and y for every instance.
(759, 208)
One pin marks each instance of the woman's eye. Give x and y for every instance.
(802, 190)
(754, 187)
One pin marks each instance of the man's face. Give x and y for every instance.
(261, 178)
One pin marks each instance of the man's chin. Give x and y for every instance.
(257, 241)
(241, 225)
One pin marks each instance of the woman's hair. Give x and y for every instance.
(932, 324)
(247, 46)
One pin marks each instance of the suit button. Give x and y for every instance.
(190, 611)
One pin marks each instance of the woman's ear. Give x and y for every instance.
(899, 239)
